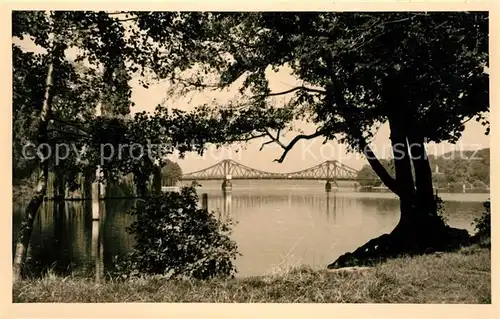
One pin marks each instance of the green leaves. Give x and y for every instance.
(482, 224)
(177, 239)
(171, 172)
(429, 59)
(354, 70)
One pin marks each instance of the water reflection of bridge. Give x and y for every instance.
(226, 202)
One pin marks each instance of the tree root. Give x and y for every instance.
(405, 241)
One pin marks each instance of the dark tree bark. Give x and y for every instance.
(423, 175)
(88, 178)
(157, 181)
(402, 164)
(59, 187)
(419, 230)
(41, 189)
(378, 168)
(141, 184)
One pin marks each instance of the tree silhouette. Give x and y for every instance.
(424, 74)
(55, 100)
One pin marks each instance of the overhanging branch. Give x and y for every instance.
(297, 88)
(292, 143)
(249, 138)
(272, 139)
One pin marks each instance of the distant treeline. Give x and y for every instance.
(450, 170)
(25, 178)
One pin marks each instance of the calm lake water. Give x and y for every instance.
(279, 224)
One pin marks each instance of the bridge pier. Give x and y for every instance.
(328, 186)
(227, 186)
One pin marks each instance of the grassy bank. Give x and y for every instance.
(460, 277)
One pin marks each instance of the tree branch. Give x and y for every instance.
(188, 82)
(71, 123)
(467, 120)
(297, 88)
(294, 141)
(251, 137)
(265, 143)
(117, 12)
(377, 167)
(69, 133)
(129, 19)
(273, 139)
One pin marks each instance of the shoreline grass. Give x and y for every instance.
(459, 277)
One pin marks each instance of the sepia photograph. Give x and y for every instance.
(251, 157)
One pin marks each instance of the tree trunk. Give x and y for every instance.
(41, 189)
(378, 168)
(60, 187)
(140, 184)
(423, 175)
(419, 230)
(157, 181)
(404, 178)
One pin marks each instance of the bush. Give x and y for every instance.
(441, 211)
(120, 189)
(483, 224)
(176, 239)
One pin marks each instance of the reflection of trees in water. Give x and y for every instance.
(18, 211)
(459, 214)
(62, 236)
(59, 240)
(456, 207)
(382, 205)
(116, 240)
(390, 205)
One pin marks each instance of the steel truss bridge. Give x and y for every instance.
(232, 170)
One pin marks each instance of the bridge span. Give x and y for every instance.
(227, 170)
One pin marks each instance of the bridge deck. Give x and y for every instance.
(229, 169)
(216, 178)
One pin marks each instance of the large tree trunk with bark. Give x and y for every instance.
(423, 174)
(378, 168)
(420, 229)
(41, 189)
(402, 164)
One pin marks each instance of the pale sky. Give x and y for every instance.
(303, 155)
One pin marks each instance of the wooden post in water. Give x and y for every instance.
(95, 201)
(95, 195)
(95, 249)
(204, 201)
